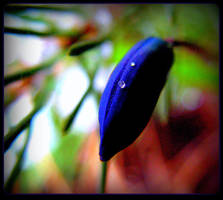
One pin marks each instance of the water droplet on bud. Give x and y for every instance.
(121, 84)
(132, 64)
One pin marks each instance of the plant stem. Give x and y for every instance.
(14, 132)
(204, 53)
(103, 177)
(18, 166)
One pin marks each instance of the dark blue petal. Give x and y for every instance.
(131, 94)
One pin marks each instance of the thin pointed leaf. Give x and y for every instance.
(31, 71)
(68, 121)
(53, 32)
(57, 119)
(14, 132)
(43, 94)
(26, 31)
(39, 100)
(80, 47)
(18, 166)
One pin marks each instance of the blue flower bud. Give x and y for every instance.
(131, 94)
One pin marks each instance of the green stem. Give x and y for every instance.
(31, 71)
(204, 53)
(18, 166)
(103, 177)
(14, 132)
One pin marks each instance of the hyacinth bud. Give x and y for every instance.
(131, 94)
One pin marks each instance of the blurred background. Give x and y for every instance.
(53, 93)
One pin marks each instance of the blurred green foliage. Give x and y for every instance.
(66, 154)
(196, 23)
(192, 71)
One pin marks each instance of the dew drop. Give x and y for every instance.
(121, 84)
(132, 64)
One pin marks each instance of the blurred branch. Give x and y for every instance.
(80, 47)
(76, 49)
(205, 54)
(91, 74)
(14, 132)
(26, 31)
(53, 32)
(31, 71)
(39, 101)
(18, 166)
(15, 8)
